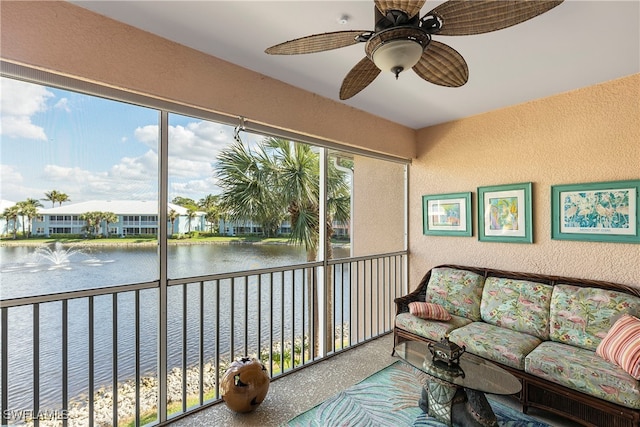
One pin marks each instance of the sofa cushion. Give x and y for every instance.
(427, 310)
(495, 343)
(433, 330)
(622, 345)
(583, 316)
(517, 304)
(458, 291)
(584, 371)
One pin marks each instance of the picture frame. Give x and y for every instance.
(447, 215)
(504, 213)
(596, 212)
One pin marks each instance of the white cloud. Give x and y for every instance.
(55, 174)
(211, 131)
(140, 168)
(11, 182)
(148, 135)
(199, 140)
(192, 148)
(14, 185)
(185, 168)
(9, 173)
(21, 127)
(195, 141)
(195, 189)
(193, 151)
(63, 104)
(18, 103)
(130, 179)
(21, 98)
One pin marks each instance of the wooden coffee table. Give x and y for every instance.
(455, 395)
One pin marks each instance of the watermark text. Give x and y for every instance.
(28, 415)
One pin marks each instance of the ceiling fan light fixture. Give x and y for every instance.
(397, 55)
(397, 49)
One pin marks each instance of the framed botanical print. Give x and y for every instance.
(599, 211)
(447, 214)
(504, 213)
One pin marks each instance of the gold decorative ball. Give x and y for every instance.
(245, 384)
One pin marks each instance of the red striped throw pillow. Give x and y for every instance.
(427, 310)
(621, 345)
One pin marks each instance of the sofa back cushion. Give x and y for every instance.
(583, 316)
(519, 305)
(458, 291)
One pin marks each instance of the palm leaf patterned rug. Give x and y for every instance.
(390, 398)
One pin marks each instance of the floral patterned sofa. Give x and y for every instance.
(546, 330)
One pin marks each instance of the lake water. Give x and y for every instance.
(27, 271)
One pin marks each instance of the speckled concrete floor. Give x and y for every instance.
(295, 393)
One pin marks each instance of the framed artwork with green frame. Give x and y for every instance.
(596, 212)
(447, 214)
(504, 213)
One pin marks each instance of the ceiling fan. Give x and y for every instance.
(402, 40)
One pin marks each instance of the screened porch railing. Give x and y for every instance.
(107, 371)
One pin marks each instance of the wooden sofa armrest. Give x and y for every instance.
(418, 294)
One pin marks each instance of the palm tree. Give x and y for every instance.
(52, 196)
(279, 179)
(248, 188)
(191, 213)
(21, 211)
(11, 214)
(62, 197)
(208, 202)
(297, 170)
(29, 208)
(173, 215)
(108, 218)
(299, 176)
(93, 220)
(212, 216)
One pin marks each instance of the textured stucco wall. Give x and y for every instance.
(587, 135)
(63, 38)
(378, 200)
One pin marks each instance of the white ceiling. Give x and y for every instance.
(577, 44)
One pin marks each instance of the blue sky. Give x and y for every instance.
(97, 149)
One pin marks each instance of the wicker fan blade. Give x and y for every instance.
(442, 65)
(411, 8)
(461, 18)
(358, 78)
(316, 43)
